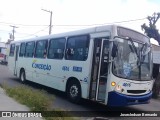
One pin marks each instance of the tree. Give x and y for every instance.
(151, 30)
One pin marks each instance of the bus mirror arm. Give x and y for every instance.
(114, 51)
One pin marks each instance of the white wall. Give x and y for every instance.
(2, 44)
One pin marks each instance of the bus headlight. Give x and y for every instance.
(118, 88)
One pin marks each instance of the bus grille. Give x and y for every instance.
(136, 91)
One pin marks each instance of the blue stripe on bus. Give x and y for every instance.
(117, 99)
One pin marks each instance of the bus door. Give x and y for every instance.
(99, 70)
(16, 60)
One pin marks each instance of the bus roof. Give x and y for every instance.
(76, 32)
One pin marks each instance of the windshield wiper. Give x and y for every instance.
(135, 51)
(145, 49)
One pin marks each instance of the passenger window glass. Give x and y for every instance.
(22, 50)
(41, 49)
(77, 48)
(56, 48)
(29, 49)
(12, 48)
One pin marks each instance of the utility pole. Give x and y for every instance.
(13, 31)
(50, 22)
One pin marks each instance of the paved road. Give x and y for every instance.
(61, 100)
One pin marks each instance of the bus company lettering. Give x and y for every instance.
(41, 66)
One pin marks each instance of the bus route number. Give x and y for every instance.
(127, 84)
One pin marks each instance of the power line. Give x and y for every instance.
(5, 30)
(29, 25)
(106, 23)
(34, 34)
(127, 21)
(41, 30)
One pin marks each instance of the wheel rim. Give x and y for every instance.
(74, 91)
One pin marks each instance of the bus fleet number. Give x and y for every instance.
(65, 68)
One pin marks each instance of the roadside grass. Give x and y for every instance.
(37, 100)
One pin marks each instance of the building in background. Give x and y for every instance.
(4, 51)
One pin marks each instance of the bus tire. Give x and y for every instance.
(22, 76)
(74, 92)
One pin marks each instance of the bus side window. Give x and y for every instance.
(41, 49)
(56, 48)
(77, 48)
(22, 50)
(29, 50)
(12, 48)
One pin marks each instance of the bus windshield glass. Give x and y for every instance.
(129, 61)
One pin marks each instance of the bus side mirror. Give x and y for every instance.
(116, 41)
(114, 50)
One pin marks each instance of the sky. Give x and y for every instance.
(69, 15)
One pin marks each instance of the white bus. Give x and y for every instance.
(108, 64)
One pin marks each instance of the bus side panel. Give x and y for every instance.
(56, 77)
(26, 64)
(60, 71)
(82, 75)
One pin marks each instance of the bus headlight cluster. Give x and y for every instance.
(119, 88)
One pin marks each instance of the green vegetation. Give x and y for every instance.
(37, 100)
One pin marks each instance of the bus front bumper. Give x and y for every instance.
(117, 99)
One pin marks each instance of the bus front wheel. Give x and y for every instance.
(22, 76)
(74, 92)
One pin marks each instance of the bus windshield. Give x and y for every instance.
(129, 62)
